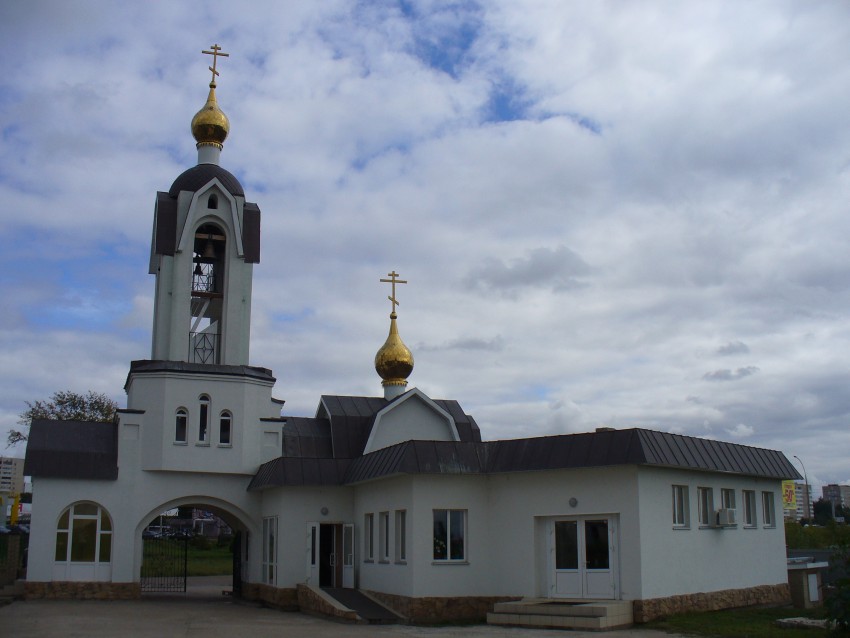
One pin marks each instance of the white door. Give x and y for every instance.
(584, 557)
(312, 554)
(348, 555)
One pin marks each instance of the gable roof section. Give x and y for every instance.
(72, 450)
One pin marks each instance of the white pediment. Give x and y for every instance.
(411, 417)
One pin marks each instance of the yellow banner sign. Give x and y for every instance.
(789, 495)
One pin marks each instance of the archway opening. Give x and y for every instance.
(194, 549)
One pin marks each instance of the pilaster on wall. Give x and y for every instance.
(654, 608)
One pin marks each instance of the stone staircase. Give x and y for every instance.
(593, 615)
(12, 592)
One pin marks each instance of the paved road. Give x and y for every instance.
(204, 613)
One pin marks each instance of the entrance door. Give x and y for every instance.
(330, 554)
(348, 555)
(584, 558)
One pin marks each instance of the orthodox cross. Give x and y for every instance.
(216, 52)
(393, 279)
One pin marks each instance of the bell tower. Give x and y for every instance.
(206, 239)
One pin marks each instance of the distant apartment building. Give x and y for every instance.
(837, 494)
(11, 475)
(803, 495)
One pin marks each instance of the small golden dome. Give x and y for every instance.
(210, 125)
(394, 362)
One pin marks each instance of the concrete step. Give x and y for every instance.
(561, 614)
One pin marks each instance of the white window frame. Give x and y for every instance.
(750, 518)
(270, 540)
(181, 414)
(768, 509)
(384, 537)
(681, 507)
(226, 416)
(727, 498)
(443, 541)
(705, 505)
(369, 538)
(102, 534)
(401, 536)
(203, 420)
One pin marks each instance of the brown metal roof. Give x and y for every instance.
(592, 449)
(72, 450)
(200, 175)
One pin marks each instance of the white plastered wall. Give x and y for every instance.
(697, 559)
(161, 394)
(295, 507)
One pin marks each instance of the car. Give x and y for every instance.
(5, 530)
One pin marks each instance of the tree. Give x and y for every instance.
(822, 511)
(64, 406)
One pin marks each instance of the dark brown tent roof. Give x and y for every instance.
(72, 449)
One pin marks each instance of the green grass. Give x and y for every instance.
(202, 560)
(750, 622)
(210, 562)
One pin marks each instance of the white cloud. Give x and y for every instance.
(647, 199)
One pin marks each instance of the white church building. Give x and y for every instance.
(394, 496)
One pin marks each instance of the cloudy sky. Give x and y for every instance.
(609, 213)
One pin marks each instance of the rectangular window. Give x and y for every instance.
(749, 508)
(270, 550)
(224, 428)
(727, 498)
(203, 419)
(401, 536)
(180, 426)
(767, 509)
(681, 511)
(384, 536)
(369, 537)
(450, 535)
(706, 505)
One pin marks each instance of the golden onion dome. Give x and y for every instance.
(210, 125)
(394, 361)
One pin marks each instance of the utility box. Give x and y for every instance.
(804, 581)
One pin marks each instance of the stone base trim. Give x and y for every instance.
(312, 600)
(654, 608)
(82, 590)
(437, 610)
(283, 598)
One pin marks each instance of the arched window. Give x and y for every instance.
(203, 418)
(224, 427)
(84, 535)
(212, 202)
(180, 420)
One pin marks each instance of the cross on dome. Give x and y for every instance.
(216, 53)
(393, 280)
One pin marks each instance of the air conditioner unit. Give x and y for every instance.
(727, 516)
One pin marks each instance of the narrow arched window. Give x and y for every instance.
(180, 421)
(84, 535)
(203, 418)
(224, 428)
(212, 202)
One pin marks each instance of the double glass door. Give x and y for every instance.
(584, 558)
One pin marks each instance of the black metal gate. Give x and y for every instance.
(164, 564)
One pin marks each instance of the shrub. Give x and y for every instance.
(837, 602)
